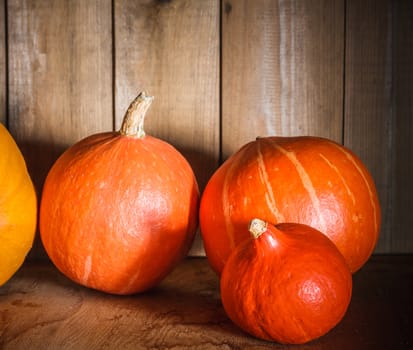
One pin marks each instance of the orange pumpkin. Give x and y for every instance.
(289, 283)
(119, 209)
(307, 180)
(18, 207)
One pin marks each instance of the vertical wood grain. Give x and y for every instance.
(368, 117)
(60, 76)
(171, 49)
(282, 69)
(378, 108)
(3, 68)
(402, 102)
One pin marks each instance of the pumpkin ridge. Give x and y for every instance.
(227, 205)
(269, 195)
(334, 168)
(87, 269)
(306, 181)
(370, 192)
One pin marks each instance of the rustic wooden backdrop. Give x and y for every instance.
(222, 72)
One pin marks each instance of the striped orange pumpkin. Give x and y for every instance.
(306, 180)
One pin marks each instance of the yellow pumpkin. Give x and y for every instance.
(18, 207)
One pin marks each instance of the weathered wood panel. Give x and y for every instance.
(60, 77)
(378, 108)
(368, 117)
(282, 70)
(399, 227)
(171, 49)
(3, 67)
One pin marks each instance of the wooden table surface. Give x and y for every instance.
(41, 309)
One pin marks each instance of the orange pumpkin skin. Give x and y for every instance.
(118, 212)
(290, 284)
(307, 180)
(18, 207)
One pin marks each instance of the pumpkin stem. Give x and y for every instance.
(257, 227)
(132, 124)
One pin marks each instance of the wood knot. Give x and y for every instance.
(227, 8)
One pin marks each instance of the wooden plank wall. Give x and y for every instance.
(3, 83)
(378, 113)
(282, 70)
(222, 72)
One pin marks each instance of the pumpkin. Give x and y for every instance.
(308, 180)
(119, 209)
(18, 207)
(288, 283)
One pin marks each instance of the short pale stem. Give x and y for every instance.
(133, 121)
(257, 227)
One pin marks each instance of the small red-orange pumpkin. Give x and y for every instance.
(119, 209)
(307, 180)
(289, 283)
